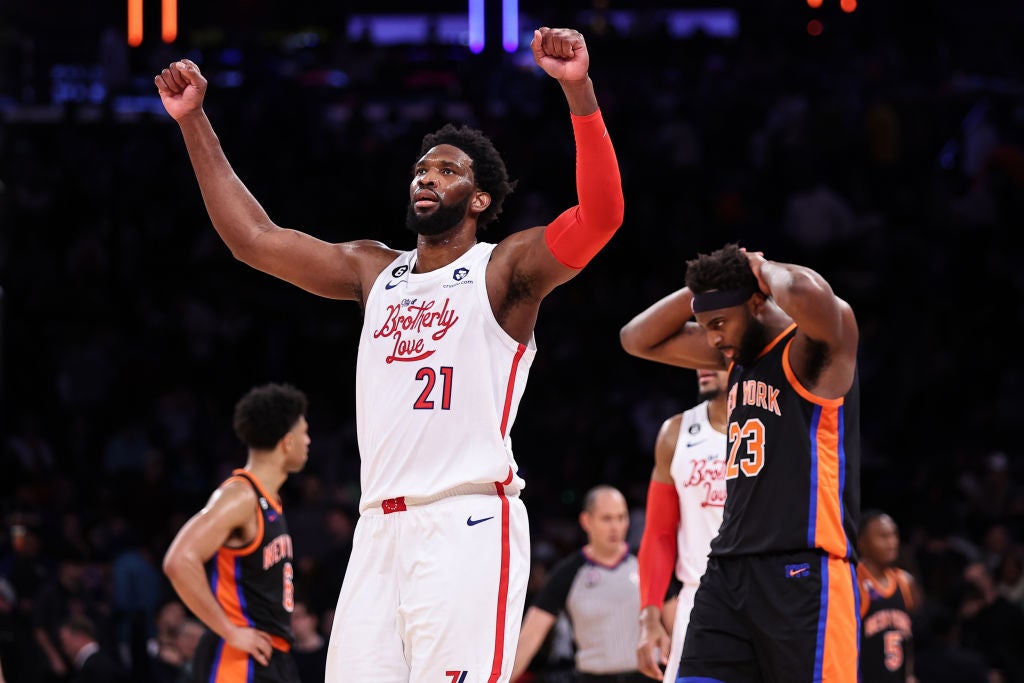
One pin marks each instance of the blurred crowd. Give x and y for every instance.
(890, 161)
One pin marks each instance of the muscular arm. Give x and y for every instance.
(535, 629)
(665, 333)
(533, 262)
(657, 556)
(824, 321)
(229, 508)
(337, 271)
(807, 298)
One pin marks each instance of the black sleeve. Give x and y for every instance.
(552, 596)
(674, 586)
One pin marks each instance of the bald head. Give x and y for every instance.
(602, 495)
(605, 519)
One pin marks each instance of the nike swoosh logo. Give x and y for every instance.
(392, 285)
(691, 444)
(473, 522)
(797, 572)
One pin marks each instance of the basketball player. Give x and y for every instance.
(684, 510)
(778, 599)
(437, 579)
(231, 562)
(597, 588)
(886, 601)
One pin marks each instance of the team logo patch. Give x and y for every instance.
(798, 571)
(694, 428)
(395, 273)
(460, 273)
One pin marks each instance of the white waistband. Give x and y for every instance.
(381, 506)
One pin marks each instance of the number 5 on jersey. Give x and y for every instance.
(750, 435)
(427, 374)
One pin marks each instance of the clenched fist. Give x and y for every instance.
(561, 52)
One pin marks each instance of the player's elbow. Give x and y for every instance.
(617, 211)
(604, 216)
(632, 341)
(173, 564)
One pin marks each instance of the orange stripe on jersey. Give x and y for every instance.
(232, 665)
(246, 474)
(897, 580)
(252, 545)
(842, 630)
(828, 523)
(827, 466)
(280, 643)
(773, 342)
(227, 589)
(800, 389)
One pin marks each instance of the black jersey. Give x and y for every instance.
(254, 584)
(793, 467)
(886, 640)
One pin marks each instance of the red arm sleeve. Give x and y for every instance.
(577, 235)
(658, 546)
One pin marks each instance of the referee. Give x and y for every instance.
(598, 588)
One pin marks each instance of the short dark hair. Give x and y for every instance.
(488, 167)
(723, 269)
(81, 625)
(867, 516)
(268, 412)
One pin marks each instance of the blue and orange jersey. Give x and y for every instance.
(254, 584)
(793, 464)
(886, 644)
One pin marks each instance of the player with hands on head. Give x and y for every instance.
(783, 559)
(437, 579)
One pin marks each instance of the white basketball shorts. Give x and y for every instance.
(434, 593)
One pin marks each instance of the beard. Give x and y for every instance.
(753, 342)
(442, 219)
(709, 394)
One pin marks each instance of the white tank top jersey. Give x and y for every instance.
(698, 470)
(438, 383)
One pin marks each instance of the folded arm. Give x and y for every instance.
(666, 333)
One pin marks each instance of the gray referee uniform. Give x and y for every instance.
(602, 602)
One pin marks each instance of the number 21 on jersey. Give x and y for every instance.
(427, 375)
(749, 437)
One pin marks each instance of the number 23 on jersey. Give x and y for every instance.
(750, 438)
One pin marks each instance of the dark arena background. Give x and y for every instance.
(880, 142)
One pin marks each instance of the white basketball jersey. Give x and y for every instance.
(698, 470)
(438, 382)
